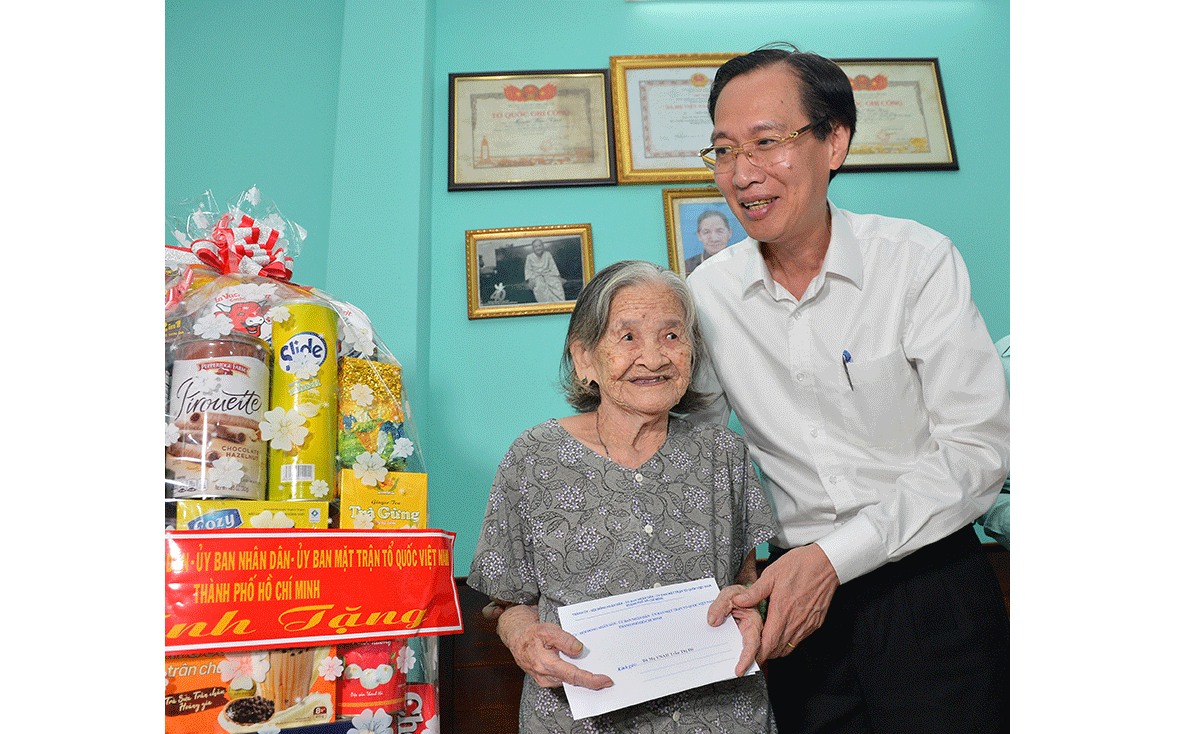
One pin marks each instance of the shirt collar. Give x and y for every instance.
(843, 257)
(844, 254)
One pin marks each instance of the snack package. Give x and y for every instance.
(422, 659)
(218, 391)
(374, 677)
(396, 501)
(237, 692)
(422, 710)
(227, 514)
(302, 419)
(370, 413)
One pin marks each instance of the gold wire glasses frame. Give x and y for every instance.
(723, 157)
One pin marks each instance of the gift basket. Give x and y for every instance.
(283, 409)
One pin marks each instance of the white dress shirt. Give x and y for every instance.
(917, 447)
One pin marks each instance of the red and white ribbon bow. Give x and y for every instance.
(245, 247)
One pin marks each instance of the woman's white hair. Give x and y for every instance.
(590, 317)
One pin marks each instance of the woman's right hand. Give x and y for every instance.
(535, 646)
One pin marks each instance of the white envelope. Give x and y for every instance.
(650, 643)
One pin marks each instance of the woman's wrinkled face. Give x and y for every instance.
(643, 363)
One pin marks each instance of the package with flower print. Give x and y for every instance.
(218, 393)
(371, 419)
(301, 424)
(218, 359)
(262, 690)
(227, 282)
(422, 710)
(421, 714)
(378, 499)
(422, 660)
(374, 676)
(229, 514)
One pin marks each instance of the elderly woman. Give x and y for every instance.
(542, 275)
(619, 497)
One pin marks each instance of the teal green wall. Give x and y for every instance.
(341, 118)
(250, 98)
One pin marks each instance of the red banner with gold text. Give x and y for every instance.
(243, 590)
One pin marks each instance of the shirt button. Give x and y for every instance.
(800, 376)
(832, 479)
(648, 529)
(815, 432)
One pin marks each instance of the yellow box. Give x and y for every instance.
(221, 514)
(399, 501)
(239, 692)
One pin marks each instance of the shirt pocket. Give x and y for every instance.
(884, 406)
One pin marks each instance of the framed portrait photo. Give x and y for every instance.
(524, 271)
(530, 130)
(902, 121)
(699, 225)
(662, 116)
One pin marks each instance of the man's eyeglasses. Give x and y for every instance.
(765, 151)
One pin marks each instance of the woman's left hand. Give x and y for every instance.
(535, 646)
(750, 624)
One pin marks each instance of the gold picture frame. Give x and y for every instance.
(686, 211)
(662, 116)
(499, 261)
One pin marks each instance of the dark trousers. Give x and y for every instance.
(919, 645)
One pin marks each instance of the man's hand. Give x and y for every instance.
(535, 646)
(750, 624)
(800, 586)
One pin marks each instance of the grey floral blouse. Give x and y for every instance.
(565, 525)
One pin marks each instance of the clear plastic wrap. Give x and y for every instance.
(227, 281)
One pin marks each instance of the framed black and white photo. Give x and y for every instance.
(524, 271)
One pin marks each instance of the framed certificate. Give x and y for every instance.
(662, 116)
(902, 121)
(530, 130)
(523, 271)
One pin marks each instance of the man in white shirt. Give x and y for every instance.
(874, 403)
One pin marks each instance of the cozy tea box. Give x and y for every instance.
(238, 692)
(228, 514)
(397, 502)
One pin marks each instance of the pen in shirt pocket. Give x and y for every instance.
(846, 358)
